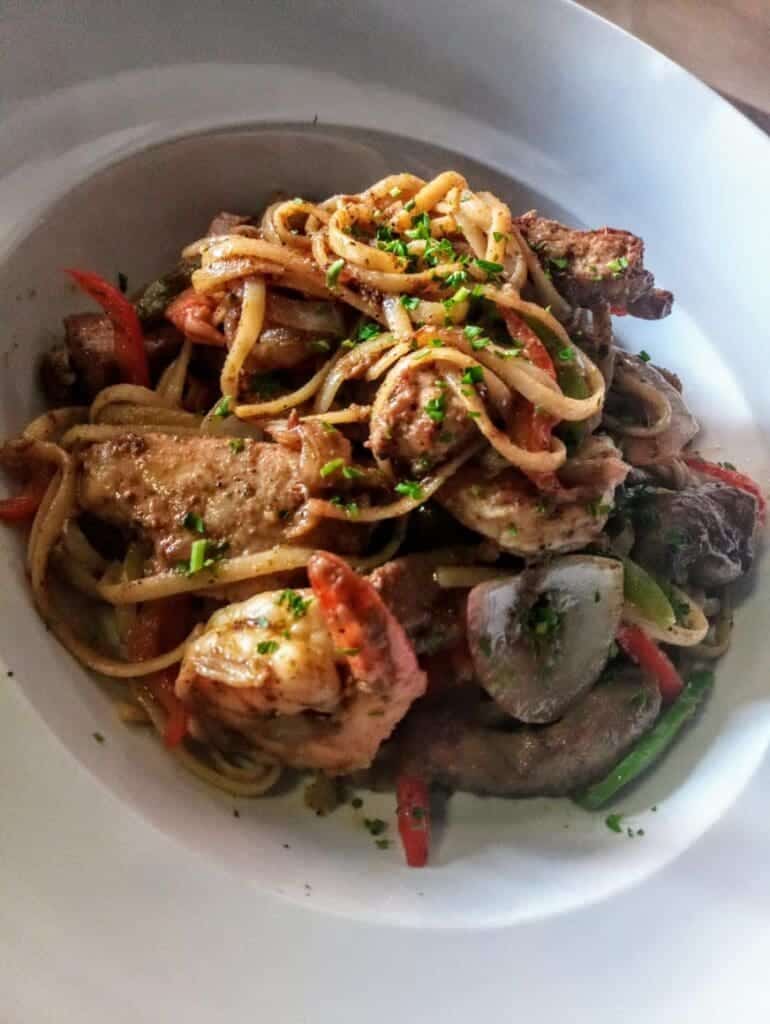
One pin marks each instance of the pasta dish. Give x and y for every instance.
(364, 487)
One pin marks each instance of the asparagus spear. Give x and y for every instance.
(652, 745)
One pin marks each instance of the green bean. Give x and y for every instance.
(651, 746)
(645, 594)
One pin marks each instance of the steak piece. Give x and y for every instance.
(451, 745)
(249, 500)
(700, 535)
(594, 267)
(78, 370)
(433, 617)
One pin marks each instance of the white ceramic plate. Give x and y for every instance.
(611, 133)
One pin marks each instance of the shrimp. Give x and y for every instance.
(318, 677)
(503, 505)
(191, 313)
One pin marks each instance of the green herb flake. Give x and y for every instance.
(356, 803)
(368, 330)
(236, 445)
(267, 646)
(435, 409)
(122, 282)
(409, 301)
(410, 489)
(333, 273)
(197, 556)
(612, 821)
(320, 345)
(598, 509)
(194, 523)
(560, 262)
(222, 408)
(618, 266)
(295, 603)
(645, 356)
(455, 279)
(395, 192)
(98, 737)
(485, 645)
(410, 205)
(727, 465)
(473, 375)
(347, 344)
(375, 826)
(352, 472)
(566, 355)
(333, 466)
(472, 331)
(347, 652)
(473, 414)
(477, 344)
(513, 530)
(420, 228)
(488, 267)
(382, 844)
(499, 236)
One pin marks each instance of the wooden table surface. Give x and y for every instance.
(724, 42)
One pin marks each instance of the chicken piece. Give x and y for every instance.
(592, 268)
(319, 678)
(503, 505)
(425, 422)
(249, 499)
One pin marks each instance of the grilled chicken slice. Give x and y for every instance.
(248, 498)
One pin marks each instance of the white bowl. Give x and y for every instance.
(493, 861)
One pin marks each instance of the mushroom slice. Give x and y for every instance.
(540, 639)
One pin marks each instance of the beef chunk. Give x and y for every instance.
(223, 223)
(701, 535)
(594, 267)
(78, 370)
(453, 744)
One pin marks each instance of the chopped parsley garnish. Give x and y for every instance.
(499, 236)
(473, 375)
(348, 343)
(351, 508)
(436, 409)
(409, 301)
(645, 356)
(478, 343)
(477, 292)
(375, 826)
(438, 251)
(409, 205)
(333, 273)
(222, 408)
(332, 467)
(320, 345)
(472, 331)
(267, 646)
(356, 803)
(560, 262)
(368, 330)
(473, 414)
(328, 428)
(352, 472)
(488, 267)
(455, 279)
(436, 343)
(194, 523)
(420, 227)
(727, 465)
(410, 489)
(566, 354)
(295, 603)
(395, 192)
(618, 266)
(513, 530)
(122, 282)
(461, 295)
(236, 445)
(265, 384)
(197, 556)
(98, 737)
(612, 821)
(297, 201)
(543, 619)
(347, 652)
(382, 844)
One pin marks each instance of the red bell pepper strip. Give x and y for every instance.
(23, 506)
(532, 429)
(731, 477)
(130, 352)
(643, 649)
(414, 819)
(161, 625)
